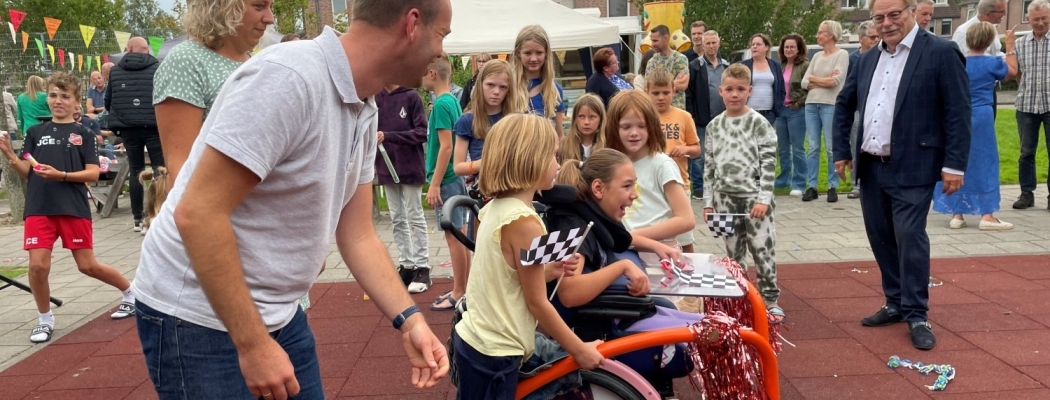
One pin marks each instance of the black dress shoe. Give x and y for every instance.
(810, 195)
(1025, 200)
(833, 195)
(922, 335)
(885, 316)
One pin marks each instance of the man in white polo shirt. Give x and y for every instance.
(284, 163)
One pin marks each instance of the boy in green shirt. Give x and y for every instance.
(444, 183)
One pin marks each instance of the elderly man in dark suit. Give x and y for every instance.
(914, 102)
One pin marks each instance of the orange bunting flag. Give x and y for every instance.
(80, 62)
(52, 26)
(87, 32)
(16, 17)
(25, 41)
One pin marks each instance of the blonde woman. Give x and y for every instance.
(222, 36)
(824, 79)
(33, 103)
(534, 69)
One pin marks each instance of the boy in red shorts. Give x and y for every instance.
(58, 157)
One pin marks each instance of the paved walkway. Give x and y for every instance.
(989, 315)
(808, 233)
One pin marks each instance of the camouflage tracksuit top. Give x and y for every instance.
(740, 156)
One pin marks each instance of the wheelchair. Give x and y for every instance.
(606, 318)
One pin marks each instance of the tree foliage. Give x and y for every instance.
(292, 15)
(737, 20)
(104, 15)
(146, 18)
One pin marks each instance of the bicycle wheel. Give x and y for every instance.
(605, 385)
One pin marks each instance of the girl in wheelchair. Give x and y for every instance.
(495, 336)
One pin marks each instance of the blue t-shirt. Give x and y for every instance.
(536, 102)
(984, 71)
(464, 129)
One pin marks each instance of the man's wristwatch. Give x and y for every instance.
(401, 318)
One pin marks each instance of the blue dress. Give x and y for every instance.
(979, 194)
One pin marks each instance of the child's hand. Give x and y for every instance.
(667, 252)
(434, 196)
(557, 269)
(5, 143)
(588, 356)
(707, 210)
(759, 211)
(638, 281)
(379, 139)
(48, 172)
(571, 264)
(678, 152)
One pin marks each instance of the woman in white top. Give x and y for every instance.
(824, 79)
(767, 79)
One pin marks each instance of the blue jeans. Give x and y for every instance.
(1028, 129)
(791, 134)
(696, 165)
(819, 118)
(189, 361)
(486, 377)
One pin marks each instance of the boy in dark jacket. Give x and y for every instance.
(402, 133)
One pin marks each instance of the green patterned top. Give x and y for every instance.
(676, 63)
(192, 73)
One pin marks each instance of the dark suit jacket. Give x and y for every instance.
(779, 89)
(697, 98)
(931, 118)
(600, 85)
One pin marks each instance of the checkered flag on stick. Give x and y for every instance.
(721, 224)
(554, 246)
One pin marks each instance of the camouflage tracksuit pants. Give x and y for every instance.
(758, 235)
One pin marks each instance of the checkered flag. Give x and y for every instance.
(554, 246)
(720, 224)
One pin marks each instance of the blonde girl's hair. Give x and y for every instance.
(155, 194)
(570, 144)
(551, 97)
(517, 154)
(210, 21)
(601, 165)
(511, 103)
(633, 101)
(34, 86)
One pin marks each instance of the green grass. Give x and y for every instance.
(1009, 151)
(12, 271)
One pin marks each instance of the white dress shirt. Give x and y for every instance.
(882, 98)
(959, 37)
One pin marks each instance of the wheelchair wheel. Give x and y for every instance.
(607, 386)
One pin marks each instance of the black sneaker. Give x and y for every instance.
(406, 274)
(833, 195)
(811, 194)
(421, 282)
(1025, 200)
(138, 225)
(698, 195)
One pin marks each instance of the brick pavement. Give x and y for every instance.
(808, 232)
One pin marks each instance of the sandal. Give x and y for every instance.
(44, 330)
(853, 195)
(777, 313)
(445, 298)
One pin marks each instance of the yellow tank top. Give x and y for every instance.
(497, 322)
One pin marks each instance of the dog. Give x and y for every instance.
(156, 193)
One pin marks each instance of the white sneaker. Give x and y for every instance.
(999, 225)
(421, 282)
(957, 223)
(796, 193)
(124, 310)
(138, 226)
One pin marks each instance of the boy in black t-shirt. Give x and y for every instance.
(62, 157)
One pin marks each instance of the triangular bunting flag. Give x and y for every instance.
(105, 60)
(52, 26)
(122, 39)
(16, 17)
(62, 58)
(51, 51)
(98, 63)
(87, 32)
(72, 61)
(25, 41)
(89, 64)
(154, 44)
(14, 39)
(80, 62)
(40, 46)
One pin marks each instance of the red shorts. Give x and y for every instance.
(42, 231)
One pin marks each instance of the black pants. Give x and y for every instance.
(895, 221)
(136, 142)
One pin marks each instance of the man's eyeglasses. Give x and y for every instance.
(893, 16)
(873, 37)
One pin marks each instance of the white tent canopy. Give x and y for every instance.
(491, 26)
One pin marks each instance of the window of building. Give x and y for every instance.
(971, 11)
(617, 8)
(946, 27)
(941, 2)
(1024, 12)
(852, 3)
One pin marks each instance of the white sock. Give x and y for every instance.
(47, 318)
(129, 297)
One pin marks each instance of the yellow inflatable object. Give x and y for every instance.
(670, 13)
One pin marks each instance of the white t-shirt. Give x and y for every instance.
(292, 116)
(651, 206)
(959, 37)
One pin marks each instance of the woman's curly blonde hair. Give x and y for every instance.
(209, 21)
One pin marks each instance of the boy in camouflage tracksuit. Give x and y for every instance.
(739, 167)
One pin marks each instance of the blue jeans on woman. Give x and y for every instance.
(791, 135)
(819, 118)
(189, 361)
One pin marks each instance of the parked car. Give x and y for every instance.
(774, 53)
